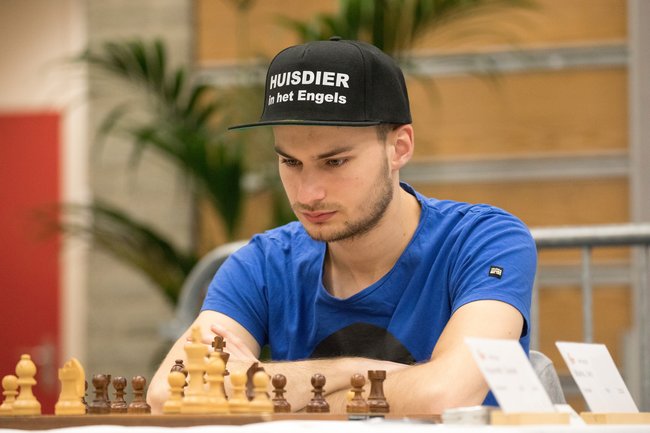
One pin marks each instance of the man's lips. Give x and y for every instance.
(318, 217)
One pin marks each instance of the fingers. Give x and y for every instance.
(235, 346)
(205, 339)
(223, 331)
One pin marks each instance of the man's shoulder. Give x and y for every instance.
(443, 208)
(285, 238)
(449, 208)
(450, 216)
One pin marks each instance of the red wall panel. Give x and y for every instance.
(29, 262)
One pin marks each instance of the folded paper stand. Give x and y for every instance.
(616, 417)
(498, 417)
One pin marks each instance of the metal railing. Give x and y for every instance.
(586, 238)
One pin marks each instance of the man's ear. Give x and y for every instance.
(403, 142)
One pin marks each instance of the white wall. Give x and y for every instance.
(37, 37)
(125, 310)
(111, 314)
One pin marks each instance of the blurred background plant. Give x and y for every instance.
(186, 121)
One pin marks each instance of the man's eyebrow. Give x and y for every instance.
(334, 152)
(281, 153)
(325, 155)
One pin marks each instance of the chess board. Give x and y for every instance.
(46, 422)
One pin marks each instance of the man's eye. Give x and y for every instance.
(290, 162)
(336, 162)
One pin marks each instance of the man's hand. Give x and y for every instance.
(244, 343)
(241, 356)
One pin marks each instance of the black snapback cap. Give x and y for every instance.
(336, 82)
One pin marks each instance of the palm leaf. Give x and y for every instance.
(129, 240)
(393, 25)
(185, 123)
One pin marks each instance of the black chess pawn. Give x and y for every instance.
(99, 405)
(119, 405)
(376, 400)
(179, 366)
(318, 404)
(108, 384)
(357, 404)
(83, 399)
(280, 404)
(139, 403)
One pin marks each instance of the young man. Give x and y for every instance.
(374, 275)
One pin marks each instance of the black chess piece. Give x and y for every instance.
(139, 403)
(83, 399)
(318, 404)
(357, 404)
(377, 402)
(99, 405)
(119, 405)
(280, 404)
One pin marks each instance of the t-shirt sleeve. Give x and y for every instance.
(496, 259)
(238, 291)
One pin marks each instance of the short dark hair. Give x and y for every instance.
(384, 128)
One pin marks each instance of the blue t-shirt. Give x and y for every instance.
(459, 253)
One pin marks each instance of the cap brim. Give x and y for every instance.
(306, 123)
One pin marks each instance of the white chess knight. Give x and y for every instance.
(72, 379)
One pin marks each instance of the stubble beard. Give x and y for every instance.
(381, 197)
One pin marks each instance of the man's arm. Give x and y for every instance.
(244, 350)
(158, 391)
(337, 371)
(451, 378)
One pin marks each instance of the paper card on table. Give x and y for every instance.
(595, 373)
(511, 378)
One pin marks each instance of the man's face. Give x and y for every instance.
(337, 179)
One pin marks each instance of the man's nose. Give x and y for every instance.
(311, 188)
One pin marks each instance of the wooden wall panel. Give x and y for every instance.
(224, 35)
(257, 217)
(550, 203)
(523, 113)
(546, 203)
(550, 22)
(561, 319)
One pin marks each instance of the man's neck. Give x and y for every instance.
(352, 265)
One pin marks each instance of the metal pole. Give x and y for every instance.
(534, 317)
(644, 333)
(587, 319)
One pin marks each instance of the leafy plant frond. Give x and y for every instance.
(128, 239)
(393, 25)
(185, 122)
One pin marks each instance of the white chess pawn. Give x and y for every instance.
(238, 403)
(261, 402)
(10, 391)
(26, 403)
(176, 381)
(214, 377)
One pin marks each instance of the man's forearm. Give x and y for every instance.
(434, 386)
(337, 372)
